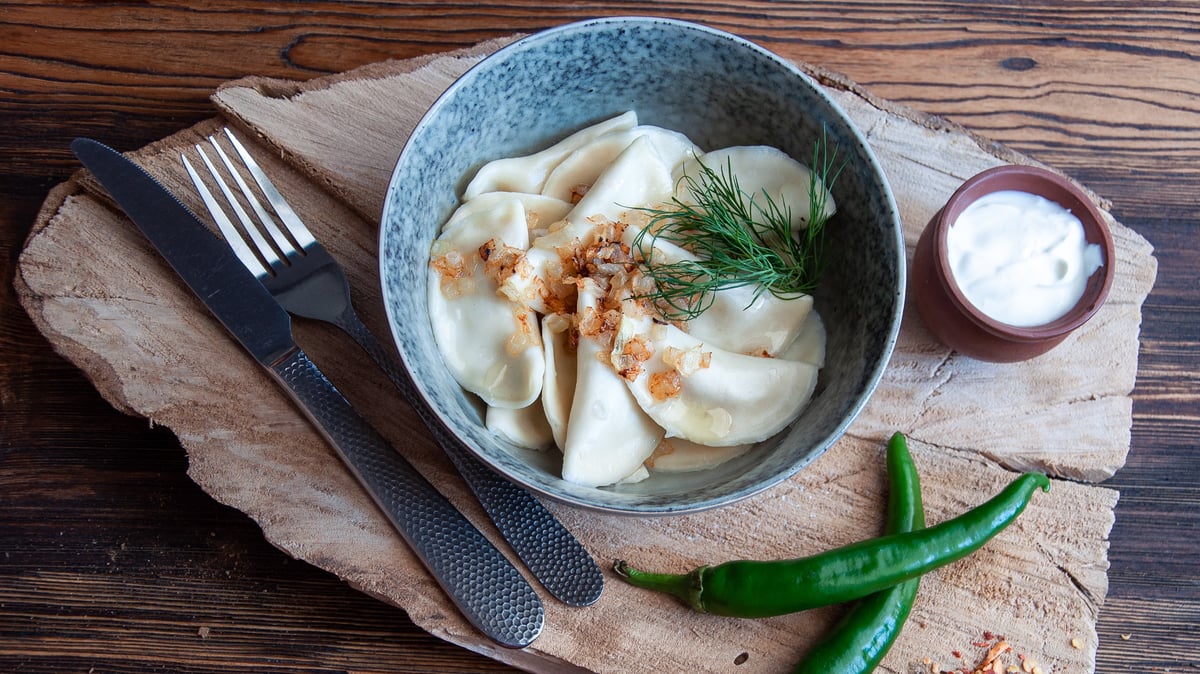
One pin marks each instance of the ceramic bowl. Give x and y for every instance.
(963, 326)
(721, 91)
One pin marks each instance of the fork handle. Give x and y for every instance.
(487, 588)
(555, 557)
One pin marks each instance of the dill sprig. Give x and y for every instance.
(739, 240)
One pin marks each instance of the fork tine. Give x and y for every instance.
(304, 238)
(265, 250)
(232, 236)
(282, 243)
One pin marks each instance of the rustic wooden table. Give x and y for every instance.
(114, 561)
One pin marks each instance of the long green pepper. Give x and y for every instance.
(760, 589)
(865, 634)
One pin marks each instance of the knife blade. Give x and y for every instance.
(485, 586)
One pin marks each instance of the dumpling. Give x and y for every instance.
(636, 476)
(761, 169)
(523, 426)
(741, 323)
(559, 385)
(676, 455)
(492, 346)
(809, 346)
(737, 321)
(708, 395)
(608, 434)
(540, 211)
(572, 178)
(528, 173)
(637, 176)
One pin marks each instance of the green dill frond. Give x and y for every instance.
(740, 239)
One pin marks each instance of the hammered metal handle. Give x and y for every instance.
(555, 557)
(485, 586)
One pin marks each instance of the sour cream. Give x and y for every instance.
(1020, 258)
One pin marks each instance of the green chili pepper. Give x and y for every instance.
(759, 589)
(863, 636)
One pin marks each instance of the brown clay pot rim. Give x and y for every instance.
(1056, 188)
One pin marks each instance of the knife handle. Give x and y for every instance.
(485, 586)
(555, 557)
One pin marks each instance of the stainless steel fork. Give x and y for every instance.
(308, 282)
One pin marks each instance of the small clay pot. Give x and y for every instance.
(962, 326)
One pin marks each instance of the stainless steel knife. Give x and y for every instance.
(486, 587)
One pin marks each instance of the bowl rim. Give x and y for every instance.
(871, 376)
(1056, 188)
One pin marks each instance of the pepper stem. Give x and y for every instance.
(686, 587)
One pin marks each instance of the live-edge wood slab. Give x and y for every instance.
(106, 301)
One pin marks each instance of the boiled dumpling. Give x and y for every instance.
(763, 171)
(540, 211)
(636, 476)
(559, 385)
(576, 174)
(741, 323)
(491, 345)
(608, 434)
(637, 176)
(528, 173)
(523, 291)
(809, 346)
(736, 320)
(523, 426)
(707, 395)
(676, 455)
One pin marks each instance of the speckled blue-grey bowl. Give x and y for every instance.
(718, 89)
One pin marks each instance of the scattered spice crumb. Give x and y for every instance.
(996, 659)
(204, 632)
(990, 659)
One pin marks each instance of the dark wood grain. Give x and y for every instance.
(113, 561)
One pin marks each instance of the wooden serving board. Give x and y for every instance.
(111, 305)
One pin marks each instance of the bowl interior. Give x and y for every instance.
(719, 90)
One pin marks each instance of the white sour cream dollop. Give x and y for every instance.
(1020, 258)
